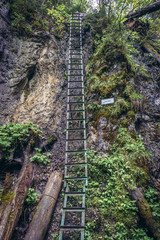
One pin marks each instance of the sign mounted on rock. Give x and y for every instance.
(107, 101)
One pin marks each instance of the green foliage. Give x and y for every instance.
(40, 157)
(121, 231)
(11, 134)
(135, 149)
(23, 13)
(1, 190)
(152, 197)
(111, 177)
(111, 72)
(31, 196)
(58, 14)
(139, 233)
(80, 6)
(55, 236)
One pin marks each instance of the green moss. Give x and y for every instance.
(131, 115)
(52, 138)
(6, 197)
(125, 122)
(26, 94)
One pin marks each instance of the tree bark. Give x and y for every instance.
(142, 11)
(41, 219)
(146, 214)
(12, 205)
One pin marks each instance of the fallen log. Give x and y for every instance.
(12, 201)
(151, 50)
(146, 214)
(41, 219)
(142, 11)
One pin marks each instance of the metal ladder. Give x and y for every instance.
(75, 175)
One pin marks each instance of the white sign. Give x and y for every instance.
(107, 101)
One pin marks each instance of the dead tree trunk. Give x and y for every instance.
(151, 50)
(146, 214)
(142, 11)
(12, 205)
(41, 219)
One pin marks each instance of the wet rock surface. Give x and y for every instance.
(147, 123)
(4, 58)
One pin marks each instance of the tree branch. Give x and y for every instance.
(142, 11)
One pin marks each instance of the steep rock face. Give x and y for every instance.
(147, 123)
(36, 81)
(4, 56)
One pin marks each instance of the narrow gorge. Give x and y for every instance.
(121, 59)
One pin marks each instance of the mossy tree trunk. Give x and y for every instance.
(146, 214)
(142, 11)
(151, 50)
(12, 201)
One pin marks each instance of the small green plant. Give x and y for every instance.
(11, 134)
(31, 196)
(121, 231)
(58, 14)
(1, 190)
(138, 234)
(55, 236)
(152, 197)
(40, 157)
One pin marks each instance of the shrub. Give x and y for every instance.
(31, 196)
(40, 157)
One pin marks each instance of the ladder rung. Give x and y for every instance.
(76, 119)
(76, 16)
(76, 88)
(76, 151)
(75, 164)
(75, 40)
(78, 139)
(75, 193)
(76, 129)
(75, 110)
(79, 228)
(75, 178)
(72, 75)
(76, 46)
(80, 54)
(73, 209)
(75, 69)
(76, 81)
(76, 64)
(75, 102)
(75, 49)
(76, 58)
(73, 95)
(78, 25)
(74, 23)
